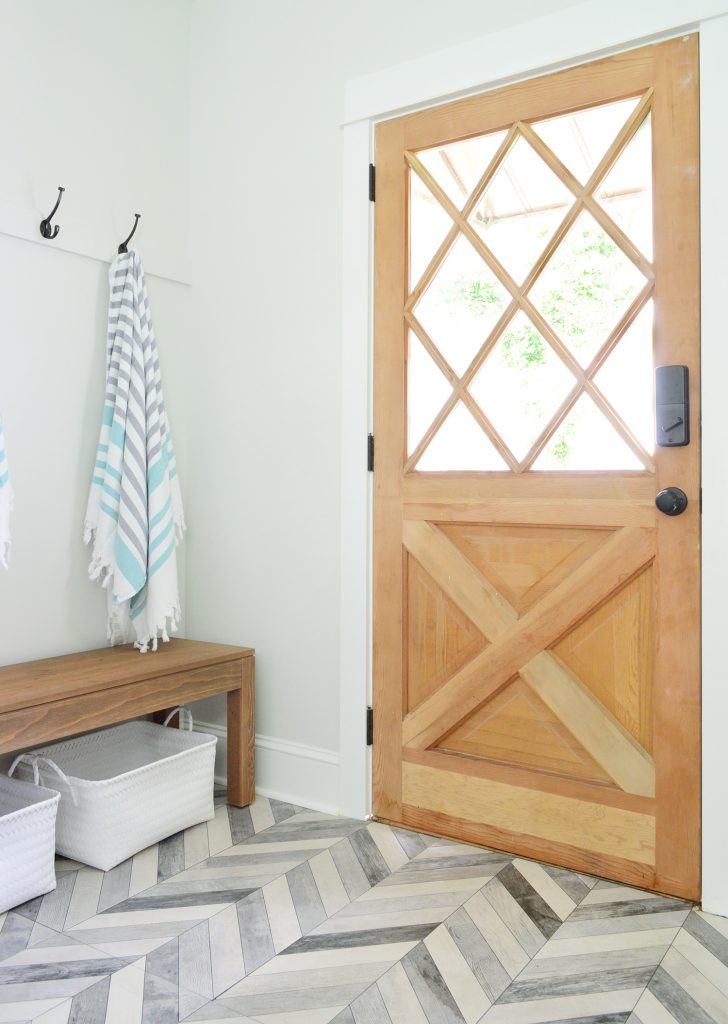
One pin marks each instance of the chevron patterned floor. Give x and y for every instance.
(279, 915)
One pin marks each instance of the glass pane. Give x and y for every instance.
(586, 288)
(626, 192)
(461, 305)
(581, 139)
(460, 444)
(521, 385)
(521, 209)
(586, 440)
(428, 224)
(458, 167)
(626, 379)
(427, 392)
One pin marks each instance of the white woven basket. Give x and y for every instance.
(126, 787)
(27, 841)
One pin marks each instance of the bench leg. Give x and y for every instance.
(241, 739)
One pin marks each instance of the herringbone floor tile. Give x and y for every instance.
(279, 915)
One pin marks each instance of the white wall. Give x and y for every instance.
(266, 185)
(94, 96)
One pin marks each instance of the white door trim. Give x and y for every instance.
(550, 43)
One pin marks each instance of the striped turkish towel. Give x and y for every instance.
(134, 517)
(6, 501)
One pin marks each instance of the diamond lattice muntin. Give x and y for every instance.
(530, 263)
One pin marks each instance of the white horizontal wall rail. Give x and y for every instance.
(96, 233)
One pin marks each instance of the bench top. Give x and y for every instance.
(40, 682)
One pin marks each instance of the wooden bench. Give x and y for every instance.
(45, 700)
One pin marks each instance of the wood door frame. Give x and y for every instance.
(414, 85)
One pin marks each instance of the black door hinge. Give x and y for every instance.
(372, 183)
(370, 726)
(370, 453)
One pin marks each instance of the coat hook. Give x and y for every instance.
(123, 246)
(46, 228)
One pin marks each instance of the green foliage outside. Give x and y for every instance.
(586, 295)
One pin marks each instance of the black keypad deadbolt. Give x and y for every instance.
(672, 407)
(672, 501)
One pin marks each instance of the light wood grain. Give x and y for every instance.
(595, 650)
(598, 731)
(591, 826)
(72, 674)
(615, 671)
(523, 563)
(241, 737)
(630, 73)
(470, 591)
(521, 775)
(440, 637)
(675, 127)
(516, 726)
(572, 489)
(620, 557)
(56, 697)
(552, 852)
(40, 723)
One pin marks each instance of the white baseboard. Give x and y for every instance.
(293, 772)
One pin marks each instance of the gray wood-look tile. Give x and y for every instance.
(478, 954)
(368, 854)
(14, 935)
(115, 886)
(352, 874)
(199, 943)
(369, 1008)
(89, 1006)
(677, 1001)
(306, 898)
(255, 932)
(523, 989)
(430, 988)
(241, 824)
(171, 857)
(532, 904)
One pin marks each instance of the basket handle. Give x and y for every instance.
(187, 717)
(34, 760)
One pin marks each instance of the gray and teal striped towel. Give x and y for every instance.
(6, 501)
(134, 518)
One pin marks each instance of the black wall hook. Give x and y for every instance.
(123, 246)
(46, 228)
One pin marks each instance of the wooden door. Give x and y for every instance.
(536, 619)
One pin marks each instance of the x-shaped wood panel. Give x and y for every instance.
(520, 646)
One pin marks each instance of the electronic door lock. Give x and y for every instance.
(672, 406)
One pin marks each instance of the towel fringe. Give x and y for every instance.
(180, 526)
(169, 624)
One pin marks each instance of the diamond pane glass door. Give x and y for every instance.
(529, 273)
(536, 618)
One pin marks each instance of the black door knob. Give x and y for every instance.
(672, 501)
